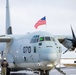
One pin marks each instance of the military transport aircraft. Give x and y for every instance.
(39, 50)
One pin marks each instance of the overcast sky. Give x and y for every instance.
(25, 13)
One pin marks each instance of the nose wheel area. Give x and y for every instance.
(44, 72)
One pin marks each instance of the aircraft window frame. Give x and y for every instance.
(52, 39)
(41, 39)
(35, 39)
(47, 38)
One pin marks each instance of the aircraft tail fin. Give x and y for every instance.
(8, 27)
(9, 31)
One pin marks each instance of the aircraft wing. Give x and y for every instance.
(5, 39)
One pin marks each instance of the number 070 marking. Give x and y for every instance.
(27, 49)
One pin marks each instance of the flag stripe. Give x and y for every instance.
(42, 21)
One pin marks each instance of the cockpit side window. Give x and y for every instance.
(35, 39)
(41, 39)
(52, 39)
(47, 39)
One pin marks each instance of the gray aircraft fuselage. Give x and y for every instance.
(38, 50)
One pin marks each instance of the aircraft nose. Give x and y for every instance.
(49, 57)
(52, 57)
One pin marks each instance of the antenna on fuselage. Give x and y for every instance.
(8, 27)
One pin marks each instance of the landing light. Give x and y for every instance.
(50, 65)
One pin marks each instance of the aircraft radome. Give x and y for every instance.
(39, 50)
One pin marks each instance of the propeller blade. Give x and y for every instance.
(65, 51)
(72, 32)
(69, 39)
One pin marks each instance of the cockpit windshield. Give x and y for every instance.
(47, 38)
(41, 39)
(36, 39)
(44, 39)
